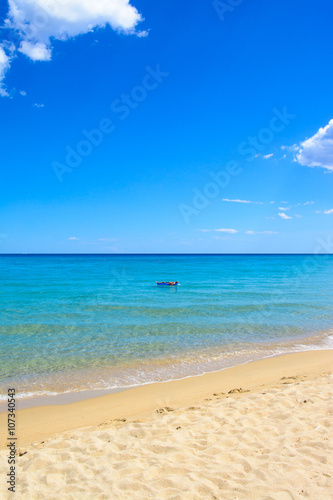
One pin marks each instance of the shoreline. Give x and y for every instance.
(314, 341)
(43, 422)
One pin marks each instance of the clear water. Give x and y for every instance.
(72, 323)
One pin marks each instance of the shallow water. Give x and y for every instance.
(80, 322)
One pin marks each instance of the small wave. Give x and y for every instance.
(162, 370)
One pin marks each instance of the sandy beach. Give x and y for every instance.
(260, 430)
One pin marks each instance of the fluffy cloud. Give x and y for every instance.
(38, 22)
(35, 51)
(317, 151)
(284, 216)
(4, 65)
(243, 201)
(328, 212)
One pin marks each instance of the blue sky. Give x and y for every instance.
(157, 127)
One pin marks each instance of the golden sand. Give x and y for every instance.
(257, 431)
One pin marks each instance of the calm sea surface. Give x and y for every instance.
(72, 323)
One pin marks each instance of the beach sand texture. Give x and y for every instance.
(269, 440)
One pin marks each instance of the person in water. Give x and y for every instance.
(168, 282)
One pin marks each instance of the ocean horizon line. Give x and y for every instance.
(150, 254)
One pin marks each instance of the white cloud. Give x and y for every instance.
(298, 216)
(142, 34)
(292, 148)
(317, 151)
(230, 231)
(243, 201)
(297, 205)
(36, 51)
(72, 238)
(318, 211)
(259, 155)
(270, 218)
(36, 105)
(4, 66)
(261, 232)
(38, 23)
(328, 212)
(284, 216)
(23, 92)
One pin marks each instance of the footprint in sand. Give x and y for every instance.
(114, 421)
(234, 391)
(166, 409)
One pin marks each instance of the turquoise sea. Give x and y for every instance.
(77, 322)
